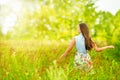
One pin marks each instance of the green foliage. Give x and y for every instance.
(41, 35)
(58, 20)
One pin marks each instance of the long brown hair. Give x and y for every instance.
(85, 32)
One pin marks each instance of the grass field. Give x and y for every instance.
(34, 60)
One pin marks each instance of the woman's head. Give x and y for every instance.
(83, 28)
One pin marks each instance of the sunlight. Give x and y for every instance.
(108, 5)
(16, 6)
(2, 2)
(10, 18)
(9, 22)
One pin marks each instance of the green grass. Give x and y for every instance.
(34, 60)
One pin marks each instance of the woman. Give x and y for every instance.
(83, 43)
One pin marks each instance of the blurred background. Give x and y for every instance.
(34, 33)
(58, 19)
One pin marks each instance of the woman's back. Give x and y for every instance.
(80, 43)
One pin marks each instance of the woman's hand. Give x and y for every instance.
(98, 49)
(67, 51)
(58, 60)
(111, 46)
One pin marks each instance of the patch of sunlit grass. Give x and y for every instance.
(36, 60)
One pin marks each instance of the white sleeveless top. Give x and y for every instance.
(80, 43)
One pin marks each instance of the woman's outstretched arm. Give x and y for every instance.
(98, 49)
(68, 49)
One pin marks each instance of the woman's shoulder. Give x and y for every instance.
(76, 36)
(79, 36)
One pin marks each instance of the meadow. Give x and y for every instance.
(35, 60)
(34, 33)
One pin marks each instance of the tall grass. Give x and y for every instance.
(35, 60)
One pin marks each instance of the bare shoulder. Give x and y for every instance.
(73, 39)
(72, 42)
